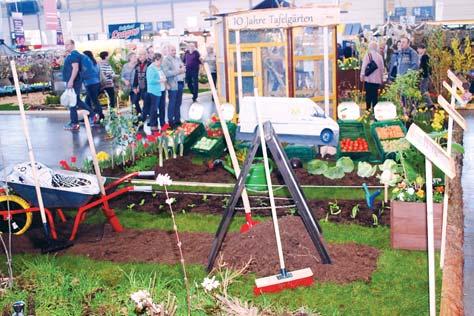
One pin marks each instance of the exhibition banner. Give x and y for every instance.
(284, 18)
(18, 30)
(59, 32)
(125, 31)
(50, 15)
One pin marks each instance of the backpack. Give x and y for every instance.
(86, 68)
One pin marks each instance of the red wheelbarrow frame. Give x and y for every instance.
(102, 200)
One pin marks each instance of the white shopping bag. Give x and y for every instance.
(69, 98)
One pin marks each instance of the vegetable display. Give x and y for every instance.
(395, 145)
(205, 143)
(357, 145)
(389, 132)
(189, 127)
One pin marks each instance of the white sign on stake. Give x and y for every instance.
(455, 80)
(452, 112)
(434, 152)
(453, 93)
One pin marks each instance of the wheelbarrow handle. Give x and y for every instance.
(145, 188)
(146, 173)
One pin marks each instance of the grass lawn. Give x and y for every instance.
(70, 285)
(9, 107)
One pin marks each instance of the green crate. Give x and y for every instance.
(304, 153)
(232, 127)
(192, 138)
(378, 144)
(353, 130)
(214, 152)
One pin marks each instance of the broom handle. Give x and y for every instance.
(269, 184)
(28, 143)
(93, 152)
(230, 146)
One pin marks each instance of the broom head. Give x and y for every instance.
(282, 281)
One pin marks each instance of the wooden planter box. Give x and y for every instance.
(408, 228)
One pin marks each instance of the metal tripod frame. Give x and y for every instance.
(282, 162)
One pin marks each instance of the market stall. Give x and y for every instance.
(284, 52)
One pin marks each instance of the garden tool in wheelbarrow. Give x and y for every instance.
(63, 189)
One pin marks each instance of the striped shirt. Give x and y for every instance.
(107, 74)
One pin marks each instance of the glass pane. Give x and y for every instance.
(309, 78)
(246, 60)
(274, 71)
(259, 36)
(309, 41)
(247, 88)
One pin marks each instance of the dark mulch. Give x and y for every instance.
(351, 262)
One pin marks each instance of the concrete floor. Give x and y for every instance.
(51, 143)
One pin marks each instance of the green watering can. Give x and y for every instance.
(256, 180)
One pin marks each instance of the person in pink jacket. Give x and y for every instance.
(372, 81)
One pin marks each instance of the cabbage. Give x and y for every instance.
(365, 170)
(346, 164)
(388, 177)
(388, 164)
(334, 173)
(317, 166)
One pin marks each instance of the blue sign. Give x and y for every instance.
(147, 26)
(400, 11)
(164, 25)
(423, 13)
(125, 31)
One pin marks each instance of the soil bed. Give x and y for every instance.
(183, 169)
(211, 204)
(351, 262)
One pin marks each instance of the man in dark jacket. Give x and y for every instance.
(139, 83)
(192, 60)
(425, 74)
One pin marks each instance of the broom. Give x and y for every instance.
(51, 245)
(285, 279)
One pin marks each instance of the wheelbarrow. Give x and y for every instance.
(61, 189)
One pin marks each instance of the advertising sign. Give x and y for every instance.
(17, 18)
(125, 31)
(59, 33)
(164, 25)
(284, 18)
(50, 15)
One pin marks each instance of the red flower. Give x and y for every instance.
(151, 138)
(73, 159)
(64, 165)
(156, 134)
(139, 137)
(145, 145)
(165, 127)
(214, 118)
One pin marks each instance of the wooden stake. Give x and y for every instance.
(446, 195)
(230, 145)
(31, 154)
(93, 153)
(431, 250)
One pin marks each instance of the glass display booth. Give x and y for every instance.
(283, 61)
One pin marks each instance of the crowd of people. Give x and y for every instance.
(150, 77)
(403, 59)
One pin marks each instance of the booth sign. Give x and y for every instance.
(125, 31)
(284, 18)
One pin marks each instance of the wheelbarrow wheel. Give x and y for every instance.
(19, 222)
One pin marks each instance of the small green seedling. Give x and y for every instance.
(334, 209)
(154, 194)
(161, 207)
(191, 205)
(204, 198)
(375, 220)
(183, 211)
(142, 202)
(292, 211)
(355, 211)
(131, 206)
